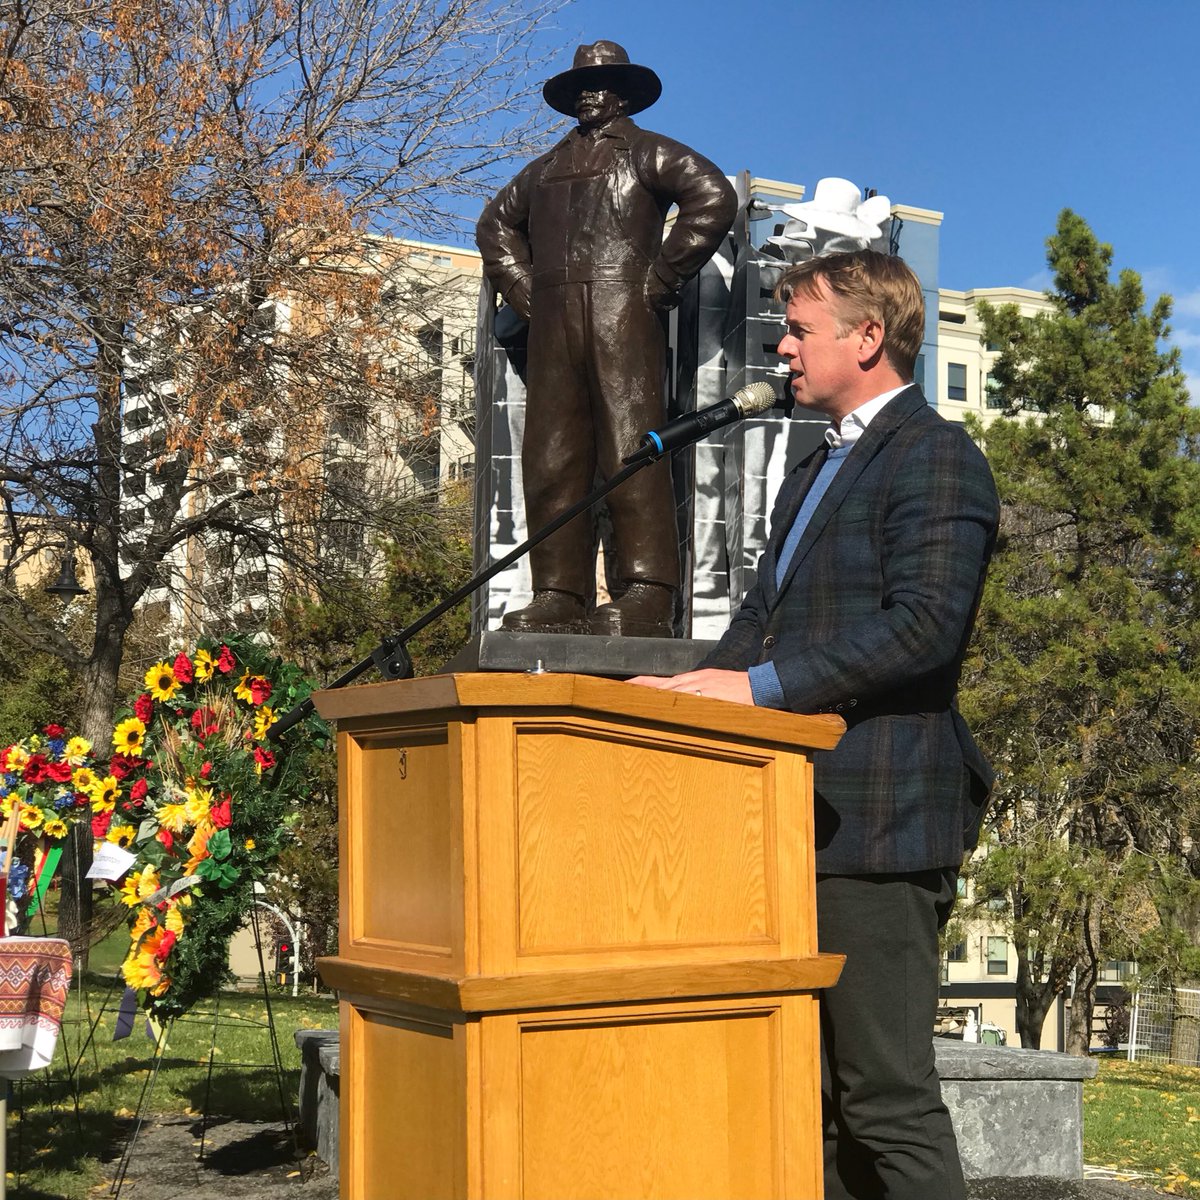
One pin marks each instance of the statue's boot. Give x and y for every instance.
(645, 610)
(549, 612)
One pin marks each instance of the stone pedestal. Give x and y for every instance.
(1016, 1112)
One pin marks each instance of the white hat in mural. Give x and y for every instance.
(838, 207)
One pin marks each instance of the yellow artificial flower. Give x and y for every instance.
(264, 718)
(128, 737)
(84, 779)
(145, 920)
(161, 682)
(18, 758)
(250, 843)
(130, 895)
(55, 827)
(204, 665)
(172, 817)
(242, 690)
(138, 885)
(6, 803)
(122, 835)
(199, 801)
(31, 817)
(76, 749)
(198, 848)
(104, 794)
(142, 970)
(175, 920)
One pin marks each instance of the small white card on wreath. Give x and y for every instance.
(111, 862)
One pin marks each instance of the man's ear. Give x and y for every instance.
(870, 345)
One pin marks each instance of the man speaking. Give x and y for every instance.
(864, 602)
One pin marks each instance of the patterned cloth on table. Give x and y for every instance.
(35, 975)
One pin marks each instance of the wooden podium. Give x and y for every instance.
(578, 942)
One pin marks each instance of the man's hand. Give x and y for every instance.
(717, 685)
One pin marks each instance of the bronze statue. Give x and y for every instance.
(575, 245)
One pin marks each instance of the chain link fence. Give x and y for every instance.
(1164, 1026)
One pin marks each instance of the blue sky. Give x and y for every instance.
(998, 114)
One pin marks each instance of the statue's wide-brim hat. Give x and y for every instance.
(603, 66)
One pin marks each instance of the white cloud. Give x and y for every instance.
(1185, 339)
(1043, 281)
(1188, 304)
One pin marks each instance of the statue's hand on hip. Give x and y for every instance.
(517, 295)
(659, 295)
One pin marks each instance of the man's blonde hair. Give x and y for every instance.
(866, 286)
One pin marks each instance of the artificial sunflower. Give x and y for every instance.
(55, 827)
(129, 737)
(122, 835)
(161, 682)
(204, 665)
(84, 779)
(104, 794)
(264, 718)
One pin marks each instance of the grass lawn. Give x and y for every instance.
(61, 1156)
(1147, 1119)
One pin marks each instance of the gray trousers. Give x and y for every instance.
(887, 1134)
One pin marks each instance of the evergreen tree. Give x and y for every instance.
(1083, 683)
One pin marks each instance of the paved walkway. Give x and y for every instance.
(245, 1160)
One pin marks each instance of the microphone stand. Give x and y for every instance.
(391, 655)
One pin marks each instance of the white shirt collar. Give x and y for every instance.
(854, 424)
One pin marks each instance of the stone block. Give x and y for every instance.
(320, 1082)
(1016, 1113)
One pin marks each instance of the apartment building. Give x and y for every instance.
(962, 381)
(395, 422)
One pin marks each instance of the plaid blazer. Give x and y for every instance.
(871, 621)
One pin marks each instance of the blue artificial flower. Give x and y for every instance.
(63, 801)
(18, 880)
(57, 746)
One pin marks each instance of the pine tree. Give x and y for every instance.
(1083, 683)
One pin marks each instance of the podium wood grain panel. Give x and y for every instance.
(696, 1101)
(408, 825)
(414, 1138)
(626, 841)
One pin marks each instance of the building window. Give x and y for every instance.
(997, 956)
(992, 392)
(956, 381)
(957, 952)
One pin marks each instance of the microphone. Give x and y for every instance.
(748, 401)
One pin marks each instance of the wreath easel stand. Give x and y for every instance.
(160, 1047)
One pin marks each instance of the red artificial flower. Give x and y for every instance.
(54, 731)
(119, 766)
(204, 722)
(60, 772)
(260, 690)
(143, 708)
(165, 944)
(205, 770)
(82, 800)
(183, 669)
(4, 757)
(35, 769)
(225, 661)
(100, 824)
(137, 792)
(219, 814)
(264, 758)
(166, 838)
